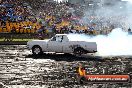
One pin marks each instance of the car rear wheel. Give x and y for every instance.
(78, 51)
(36, 50)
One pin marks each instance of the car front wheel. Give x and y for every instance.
(36, 50)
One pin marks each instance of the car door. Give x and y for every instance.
(55, 44)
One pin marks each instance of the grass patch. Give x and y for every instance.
(18, 39)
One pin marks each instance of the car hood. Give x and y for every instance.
(46, 40)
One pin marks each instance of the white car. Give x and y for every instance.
(61, 44)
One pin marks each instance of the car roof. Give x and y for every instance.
(61, 34)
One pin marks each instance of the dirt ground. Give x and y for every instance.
(20, 69)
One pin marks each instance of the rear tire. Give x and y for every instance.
(78, 51)
(37, 50)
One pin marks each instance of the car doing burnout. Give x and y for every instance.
(60, 43)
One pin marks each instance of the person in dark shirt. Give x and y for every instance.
(129, 31)
(13, 30)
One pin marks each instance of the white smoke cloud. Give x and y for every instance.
(128, 0)
(116, 15)
(116, 43)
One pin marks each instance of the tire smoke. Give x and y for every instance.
(116, 43)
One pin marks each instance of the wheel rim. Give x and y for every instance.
(37, 50)
(78, 52)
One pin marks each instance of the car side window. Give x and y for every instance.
(61, 38)
(57, 39)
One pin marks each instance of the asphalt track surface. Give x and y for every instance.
(20, 69)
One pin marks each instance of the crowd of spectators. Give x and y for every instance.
(54, 17)
(60, 17)
(13, 11)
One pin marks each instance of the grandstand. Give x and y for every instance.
(20, 27)
(48, 16)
